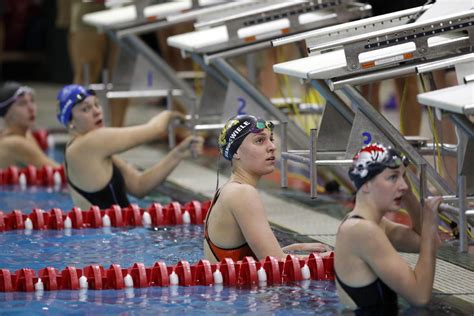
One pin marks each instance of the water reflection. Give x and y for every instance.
(313, 297)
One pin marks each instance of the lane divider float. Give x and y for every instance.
(192, 212)
(31, 176)
(247, 272)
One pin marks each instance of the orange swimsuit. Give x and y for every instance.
(236, 254)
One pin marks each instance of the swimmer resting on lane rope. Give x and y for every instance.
(18, 146)
(369, 270)
(236, 224)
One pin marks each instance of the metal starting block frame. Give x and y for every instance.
(340, 11)
(342, 130)
(135, 55)
(458, 103)
(222, 76)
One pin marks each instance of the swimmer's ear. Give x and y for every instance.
(71, 126)
(236, 155)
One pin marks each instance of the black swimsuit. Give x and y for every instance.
(113, 193)
(374, 294)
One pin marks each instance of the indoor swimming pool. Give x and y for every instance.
(125, 246)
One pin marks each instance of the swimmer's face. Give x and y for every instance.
(387, 188)
(22, 112)
(257, 153)
(87, 115)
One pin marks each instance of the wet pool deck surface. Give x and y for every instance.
(314, 219)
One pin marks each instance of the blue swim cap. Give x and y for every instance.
(68, 97)
(371, 160)
(234, 131)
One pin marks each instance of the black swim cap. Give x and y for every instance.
(371, 160)
(10, 91)
(234, 131)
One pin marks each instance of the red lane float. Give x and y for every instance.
(241, 273)
(172, 214)
(41, 137)
(44, 176)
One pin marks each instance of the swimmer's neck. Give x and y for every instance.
(15, 130)
(367, 209)
(241, 176)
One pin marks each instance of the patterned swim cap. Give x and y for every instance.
(10, 92)
(68, 97)
(371, 160)
(234, 131)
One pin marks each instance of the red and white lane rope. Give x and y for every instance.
(193, 212)
(31, 176)
(247, 272)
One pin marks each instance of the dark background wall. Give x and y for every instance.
(34, 49)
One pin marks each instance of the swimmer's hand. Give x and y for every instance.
(191, 144)
(430, 216)
(178, 116)
(307, 247)
(162, 119)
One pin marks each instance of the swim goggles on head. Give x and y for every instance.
(254, 128)
(394, 159)
(19, 92)
(260, 125)
(372, 159)
(231, 140)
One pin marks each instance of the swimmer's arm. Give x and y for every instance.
(307, 247)
(107, 141)
(413, 207)
(28, 153)
(371, 245)
(402, 237)
(248, 210)
(140, 184)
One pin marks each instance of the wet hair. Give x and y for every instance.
(10, 91)
(234, 131)
(68, 97)
(371, 160)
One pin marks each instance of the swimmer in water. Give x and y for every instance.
(236, 224)
(18, 146)
(370, 272)
(95, 173)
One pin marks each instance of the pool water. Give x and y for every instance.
(104, 246)
(125, 246)
(308, 298)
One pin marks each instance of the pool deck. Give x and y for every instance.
(318, 223)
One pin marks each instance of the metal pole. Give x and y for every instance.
(283, 160)
(193, 125)
(462, 213)
(461, 188)
(313, 168)
(85, 74)
(171, 125)
(423, 189)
